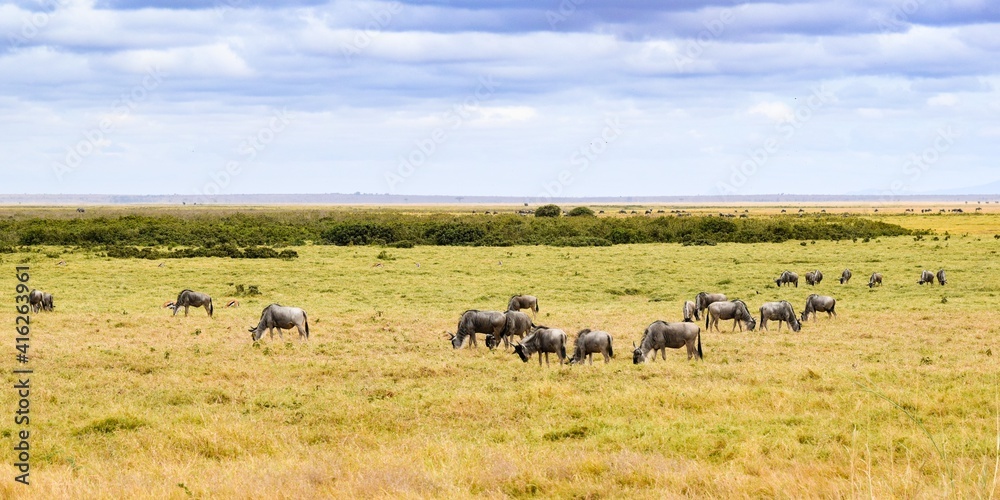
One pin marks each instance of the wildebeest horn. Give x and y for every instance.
(634, 346)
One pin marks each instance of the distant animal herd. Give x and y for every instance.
(502, 327)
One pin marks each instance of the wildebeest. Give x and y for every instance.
(940, 277)
(589, 342)
(926, 277)
(472, 322)
(35, 300)
(518, 302)
(876, 279)
(281, 317)
(735, 310)
(814, 277)
(515, 323)
(691, 311)
(47, 304)
(786, 278)
(542, 340)
(819, 303)
(660, 335)
(704, 299)
(189, 298)
(845, 276)
(782, 312)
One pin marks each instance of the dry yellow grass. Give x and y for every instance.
(897, 397)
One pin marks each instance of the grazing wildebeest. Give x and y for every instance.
(787, 277)
(516, 323)
(735, 310)
(819, 303)
(780, 311)
(876, 279)
(660, 335)
(940, 277)
(589, 342)
(542, 340)
(189, 298)
(926, 277)
(519, 302)
(473, 322)
(47, 304)
(281, 317)
(845, 276)
(814, 277)
(691, 311)
(703, 300)
(35, 300)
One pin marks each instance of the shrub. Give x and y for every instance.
(580, 212)
(548, 211)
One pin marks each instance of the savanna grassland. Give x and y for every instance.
(899, 396)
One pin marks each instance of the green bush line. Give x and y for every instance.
(226, 235)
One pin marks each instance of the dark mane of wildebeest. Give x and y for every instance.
(845, 276)
(705, 299)
(926, 277)
(660, 335)
(691, 311)
(589, 342)
(474, 321)
(542, 339)
(819, 303)
(876, 279)
(813, 278)
(281, 317)
(787, 277)
(515, 323)
(518, 302)
(735, 310)
(35, 299)
(941, 277)
(780, 311)
(190, 298)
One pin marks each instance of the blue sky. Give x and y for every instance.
(516, 98)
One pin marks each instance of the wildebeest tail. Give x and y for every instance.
(562, 350)
(611, 350)
(211, 308)
(306, 319)
(700, 355)
(536, 305)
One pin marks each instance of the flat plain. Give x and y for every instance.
(898, 396)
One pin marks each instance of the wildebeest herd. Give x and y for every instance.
(501, 327)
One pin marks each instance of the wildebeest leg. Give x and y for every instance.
(185, 311)
(302, 333)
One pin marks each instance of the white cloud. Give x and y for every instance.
(947, 100)
(775, 111)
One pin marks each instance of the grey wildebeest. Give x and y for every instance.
(473, 322)
(814, 277)
(703, 300)
(190, 298)
(926, 277)
(786, 278)
(35, 299)
(589, 342)
(876, 279)
(819, 303)
(782, 312)
(47, 302)
(515, 323)
(691, 311)
(542, 340)
(941, 277)
(281, 317)
(518, 302)
(845, 276)
(735, 310)
(660, 335)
